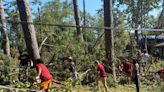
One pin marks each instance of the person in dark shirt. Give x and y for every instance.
(135, 74)
(23, 66)
(24, 59)
(102, 75)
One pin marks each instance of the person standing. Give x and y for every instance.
(135, 74)
(72, 67)
(44, 75)
(101, 76)
(144, 60)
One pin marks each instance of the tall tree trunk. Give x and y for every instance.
(77, 18)
(131, 45)
(109, 46)
(160, 18)
(28, 29)
(5, 42)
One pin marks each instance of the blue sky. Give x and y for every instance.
(92, 6)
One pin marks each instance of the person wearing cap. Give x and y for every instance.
(72, 67)
(101, 76)
(24, 63)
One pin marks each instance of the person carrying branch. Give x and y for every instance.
(44, 75)
(101, 76)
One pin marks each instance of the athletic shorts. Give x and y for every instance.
(45, 85)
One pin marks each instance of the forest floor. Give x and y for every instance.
(122, 88)
(147, 85)
(128, 88)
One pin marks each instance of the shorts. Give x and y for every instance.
(45, 84)
(128, 73)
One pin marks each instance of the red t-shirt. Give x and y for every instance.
(127, 67)
(161, 70)
(100, 68)
(45, 74)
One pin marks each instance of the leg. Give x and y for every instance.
(97, 82)
(128, 76)
(137, 83)
(45, 85)
(129, 80)
(143, 68)
(103, 79)
(26, 72)
(46, 90)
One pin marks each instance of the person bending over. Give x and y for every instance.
(44, 75)
(127, 69)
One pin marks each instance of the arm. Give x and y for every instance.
(98, 72)
(39, 73)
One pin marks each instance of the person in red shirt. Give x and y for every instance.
(127, 68)
(44, 75)
(161, 73)
(102, 75)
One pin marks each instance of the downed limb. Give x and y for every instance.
(42, 43)
(19, 89)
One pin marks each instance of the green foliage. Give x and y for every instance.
(62, 42)
(18, 84)
(7, 68)
(110, 81)
(137, 11)
(123, 80)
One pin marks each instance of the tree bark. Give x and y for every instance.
(28, 29)
(131, 46)
(77, 18)
(160, 21)
(109, 46)
(5, 42)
